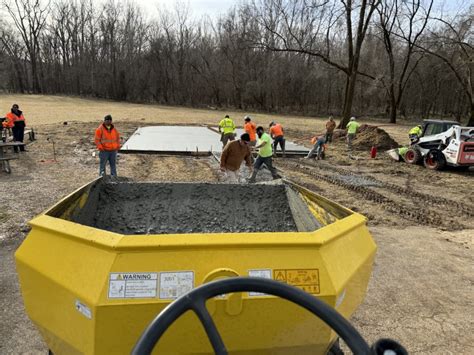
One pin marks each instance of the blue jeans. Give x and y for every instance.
(111, 157)
(317, 149)
(279, 140)
(258, 165)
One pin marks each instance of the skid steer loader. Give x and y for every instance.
(451, 147)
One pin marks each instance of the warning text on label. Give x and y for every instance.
(305, 279)
(133, 285)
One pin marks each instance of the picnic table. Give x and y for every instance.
(5, 157)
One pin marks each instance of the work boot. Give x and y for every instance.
(251, 179)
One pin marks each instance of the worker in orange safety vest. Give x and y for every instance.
(16, 122)
(107, 140)
(7, 124)
(276, 132)
(251, 129)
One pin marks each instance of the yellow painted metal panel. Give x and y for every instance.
(62, 262)
(55, 272)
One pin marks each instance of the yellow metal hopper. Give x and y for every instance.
(98, 266)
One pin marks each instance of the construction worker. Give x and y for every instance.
(352, 128)
(330, 126)
(265, 155)
(318, 148)
(276, 131)
(6, 127)
(251, 128)
(415, 133)
(227, 129)
(16, 121)
(107, 140)
(232, 157)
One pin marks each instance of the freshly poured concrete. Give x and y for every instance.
(183, 139)
(173, 139)
(168, 208)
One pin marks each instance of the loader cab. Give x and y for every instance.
(433, 127)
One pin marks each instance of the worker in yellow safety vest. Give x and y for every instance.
(414, 134)
(352, 128)
(227, 130)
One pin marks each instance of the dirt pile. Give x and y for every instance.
(368, 136)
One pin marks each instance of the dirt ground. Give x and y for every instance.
(422, 221)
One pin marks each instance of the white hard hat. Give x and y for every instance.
(353, 118)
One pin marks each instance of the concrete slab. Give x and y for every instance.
(173, 140)
(192, 140)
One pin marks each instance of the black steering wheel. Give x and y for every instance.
(196, 300)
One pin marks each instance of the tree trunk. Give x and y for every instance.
(393, 110)
(348, 98)
(470, 123)
(393, 102)
(19, 76)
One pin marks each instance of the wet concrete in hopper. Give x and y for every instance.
(167, 208)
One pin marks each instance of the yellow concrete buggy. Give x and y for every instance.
(99, 266)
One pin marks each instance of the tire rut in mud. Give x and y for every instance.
(435, 201)
(420, 215)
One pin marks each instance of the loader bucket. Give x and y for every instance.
(98, 266)
(393, 153)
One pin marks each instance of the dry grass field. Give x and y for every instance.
(421, 287)
(41, 110)
(55, 109)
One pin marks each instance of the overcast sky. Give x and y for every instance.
(197, 7)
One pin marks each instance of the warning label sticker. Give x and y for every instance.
(305, 279)
(82, 308)
(264, 273)
(175, 284)
(133, 285)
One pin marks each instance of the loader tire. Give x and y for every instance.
(413, 156)
(434, 160)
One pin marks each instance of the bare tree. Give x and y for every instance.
(310, 27)
(453, 45)
(29, 17)
(15, 52)
(409, 19)
(312, 57)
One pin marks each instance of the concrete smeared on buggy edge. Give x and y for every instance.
(169, 208)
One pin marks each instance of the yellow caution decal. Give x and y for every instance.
(305, 279)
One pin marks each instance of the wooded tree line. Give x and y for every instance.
(315, 57)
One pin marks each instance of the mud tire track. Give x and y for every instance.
(434, 201)
(420, 216)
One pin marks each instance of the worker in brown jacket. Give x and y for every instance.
(330, 126)
(234, 153)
